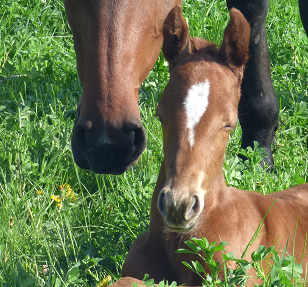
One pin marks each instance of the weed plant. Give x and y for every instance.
(63, 226)
(281, 268)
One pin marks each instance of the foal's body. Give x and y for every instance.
(198, 110)
(232, 215)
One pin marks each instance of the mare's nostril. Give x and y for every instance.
(138, 132)
(193, 208)
(129, 127)
(140, 137)
(84, 124)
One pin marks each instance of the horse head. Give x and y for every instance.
(117, 44)
(198, 110)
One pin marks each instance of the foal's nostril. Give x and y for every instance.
(161, 204)
(196, 203)
(193, 208)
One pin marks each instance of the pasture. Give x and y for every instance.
(63, 226)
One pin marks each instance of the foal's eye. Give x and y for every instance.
(159, 118)
(228, 127)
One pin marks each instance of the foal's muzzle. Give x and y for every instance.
(180, 213)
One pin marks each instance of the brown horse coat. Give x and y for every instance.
(198, 110)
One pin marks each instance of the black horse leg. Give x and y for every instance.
(303, 9)
(258, 108)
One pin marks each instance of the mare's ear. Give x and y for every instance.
(235, 45)
(176, 37)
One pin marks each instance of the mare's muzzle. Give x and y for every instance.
(107, 149)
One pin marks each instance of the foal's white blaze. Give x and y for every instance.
(195, 106)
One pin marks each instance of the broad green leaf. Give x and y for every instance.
(192, 246)
(199, 267)
(228, 256)
(181, 250)
(73, 272)
(149, 282)
(298, 268)
(199, 242)
(188, 266)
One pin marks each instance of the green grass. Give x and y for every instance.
(89, 238)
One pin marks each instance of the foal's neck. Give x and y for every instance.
(217, 189)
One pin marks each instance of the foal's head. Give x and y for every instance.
(198, 110)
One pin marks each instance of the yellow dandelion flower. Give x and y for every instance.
(67, 193)
(74, 198)
(104, 282)
(39, 192)
(56, 198)
(66, 188)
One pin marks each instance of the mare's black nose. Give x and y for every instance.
(107, 149)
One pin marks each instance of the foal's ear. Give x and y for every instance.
(235, 45)
(176, 37)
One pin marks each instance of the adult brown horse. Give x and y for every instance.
(198, 110)
(117, 43)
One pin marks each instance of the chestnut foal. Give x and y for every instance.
(198, 110)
